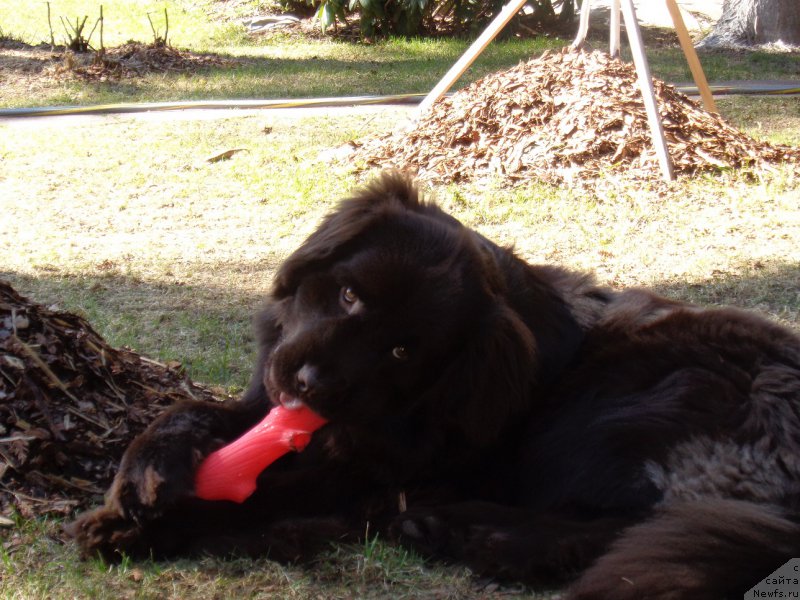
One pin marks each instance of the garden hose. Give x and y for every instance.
(107, 109)
(775, 88)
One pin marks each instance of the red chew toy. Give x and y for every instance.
(230, 472)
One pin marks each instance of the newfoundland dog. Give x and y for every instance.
(516, 418)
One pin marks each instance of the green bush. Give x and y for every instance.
(426, 17)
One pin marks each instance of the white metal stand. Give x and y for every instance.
(463, 63)
(619, 8)
(614, 23)
(642, 71)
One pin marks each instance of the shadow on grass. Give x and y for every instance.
(208, 330)
(20, 58)
(773, 289)
(394, 67)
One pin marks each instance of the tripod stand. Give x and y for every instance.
(619, 9)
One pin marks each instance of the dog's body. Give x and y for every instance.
(535, 426)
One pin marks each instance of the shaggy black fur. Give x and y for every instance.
(539, 427)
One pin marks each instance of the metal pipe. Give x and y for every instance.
(754, 88)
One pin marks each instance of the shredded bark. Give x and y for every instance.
(69, 406)
(135, 59)
(564, 118)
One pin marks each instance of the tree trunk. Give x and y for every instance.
(755, 22)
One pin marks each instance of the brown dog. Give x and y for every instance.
(538, 427)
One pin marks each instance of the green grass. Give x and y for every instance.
(283, 66)
(189, 22)
(668, 63)
(776, 117)
(37, 564)
(290, 68)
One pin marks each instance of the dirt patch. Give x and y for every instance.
(69, 406)
(564, 118)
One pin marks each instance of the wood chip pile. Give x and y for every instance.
(135, 59)
(69, 406)
(563, 118)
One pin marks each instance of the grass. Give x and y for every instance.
(123, 220)
(668, 63)
(372, 572)
(287, 68)
(37, 565)
(776, 118)
(123, 20)
(284, 66)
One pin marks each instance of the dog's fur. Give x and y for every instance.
(538, 427)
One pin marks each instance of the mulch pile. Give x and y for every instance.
(135, 59)
(563, 118)
(69, 406)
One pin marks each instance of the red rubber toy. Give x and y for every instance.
(230, 473)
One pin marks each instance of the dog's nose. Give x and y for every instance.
(306, 378)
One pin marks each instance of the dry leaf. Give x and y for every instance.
(225, 155)
(575, 113)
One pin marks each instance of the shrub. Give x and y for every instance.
(426, 17)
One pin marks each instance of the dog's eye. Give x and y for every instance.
(400, 353)
(349, 296)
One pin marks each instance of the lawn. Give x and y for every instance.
(286, 64)
(123, 220)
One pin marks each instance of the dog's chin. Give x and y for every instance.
(290, 402)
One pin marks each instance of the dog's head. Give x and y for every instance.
(392, 310)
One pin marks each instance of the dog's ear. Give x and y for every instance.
(491, 385)
(392, 192)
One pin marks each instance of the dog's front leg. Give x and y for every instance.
(157, 472)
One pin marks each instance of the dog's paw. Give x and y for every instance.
(489, 549)
(106, 533)
(301, 540)
(423, 532)
(154, 475)
(435, 533)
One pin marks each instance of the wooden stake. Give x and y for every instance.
(50, 24)
(153, 29)
(613, 36)
(583, 27)
(91, 33)
(646, 85)
(691, 56)
(463, 63)
(166, 27)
